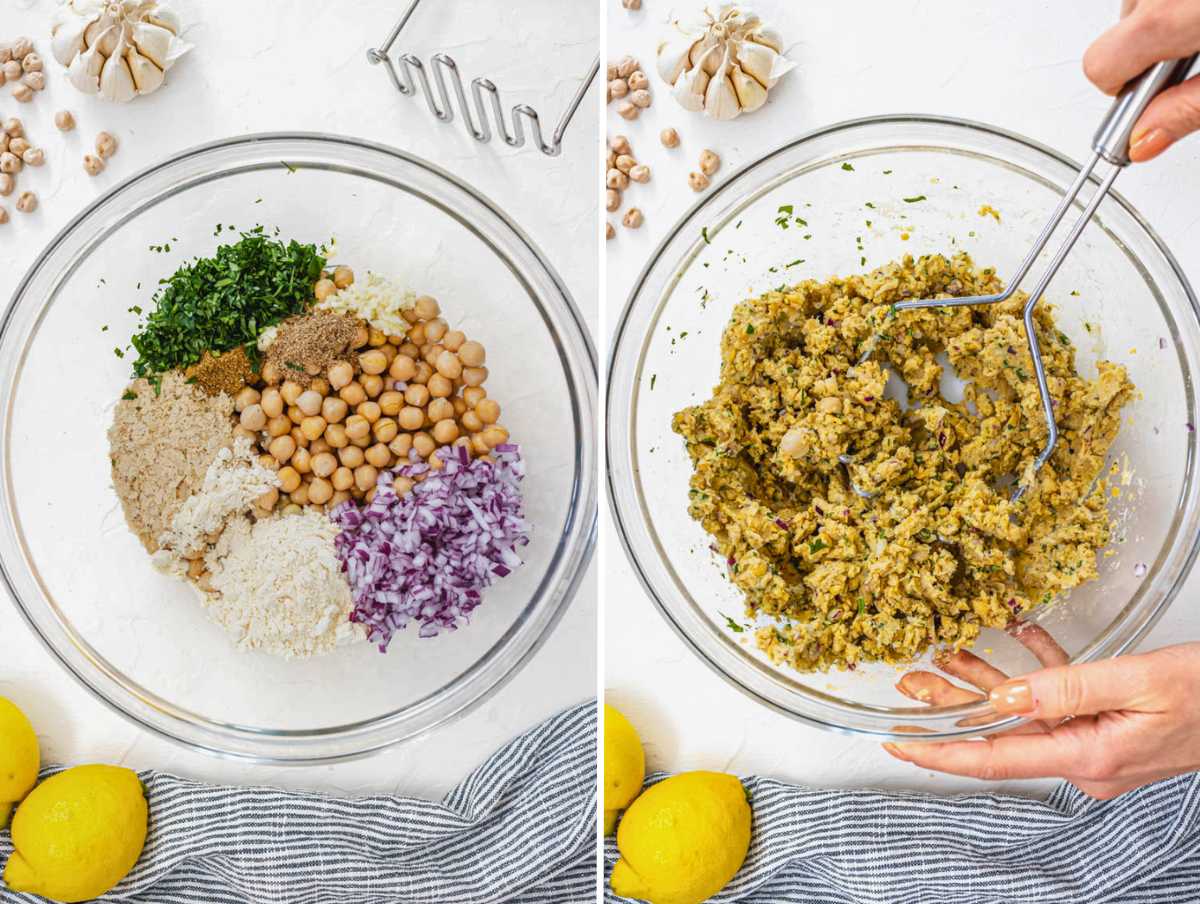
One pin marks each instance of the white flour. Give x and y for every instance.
(278, 586)
(231, 484)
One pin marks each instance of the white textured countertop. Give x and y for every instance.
(1015, 65)
(303, 67)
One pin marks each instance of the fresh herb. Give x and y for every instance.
(129, 395)
(731, 624)
(118, 353)
(785, 212)
(914, 199)
(220, 302)
(704, 235)
(794, 263)
(862, 605)
(292, 365)
(847, 167)
(749, 329)
(653, 380)
(870, 205)
(816, 546)
(887, 172)
(287, 166)
(104, 329)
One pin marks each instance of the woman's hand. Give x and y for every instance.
(1107, 727)
(1149, 32)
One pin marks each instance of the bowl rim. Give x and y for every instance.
(571, 561)
(621, 337)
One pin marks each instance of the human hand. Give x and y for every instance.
(1107, 727)
(1149, 32)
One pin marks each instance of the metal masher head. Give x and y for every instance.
(1110, 145)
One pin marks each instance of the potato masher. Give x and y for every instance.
(1111, 145)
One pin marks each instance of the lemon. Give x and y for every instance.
(683, 839)
(19, 758)
(624, 761)
(78, 833)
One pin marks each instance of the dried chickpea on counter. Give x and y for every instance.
(352, 400)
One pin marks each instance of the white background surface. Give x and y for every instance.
(302, 66)
(1013, 64)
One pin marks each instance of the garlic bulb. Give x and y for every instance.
(116, 48)
(721, 61)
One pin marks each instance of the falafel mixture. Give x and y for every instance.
(861, 528)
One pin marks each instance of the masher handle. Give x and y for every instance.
(1112, 138)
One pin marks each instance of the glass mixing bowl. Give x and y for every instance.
(869, 192)
(139, 639)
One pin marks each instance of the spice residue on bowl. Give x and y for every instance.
(860, 529)
(317, 479)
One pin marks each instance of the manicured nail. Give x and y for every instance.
(1145, 144)
(1013, 697)
(895, 751)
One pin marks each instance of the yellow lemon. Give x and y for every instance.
(19, 758)
(610, 821)
(78, 833)
(624, 761)
(683, 839)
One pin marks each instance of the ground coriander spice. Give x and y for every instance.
(307, 344)
(226, 373)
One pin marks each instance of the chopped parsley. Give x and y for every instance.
(816, 546)
(914, 199)
(731, 624)
(847, 167)
(129, 395)
(704, 235)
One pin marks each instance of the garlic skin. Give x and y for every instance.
(117, 49)
(721, 60)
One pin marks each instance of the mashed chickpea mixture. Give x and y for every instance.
(860, 529)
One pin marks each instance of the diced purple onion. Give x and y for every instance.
(427, 556)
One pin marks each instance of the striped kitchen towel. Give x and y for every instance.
(869, 847)
(520, 828)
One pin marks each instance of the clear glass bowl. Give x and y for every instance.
(139, 639)
(849, 182)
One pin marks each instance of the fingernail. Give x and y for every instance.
(1145, 144)
(1013, 697)
(895, 751)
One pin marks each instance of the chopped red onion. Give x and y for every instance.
(427, 556)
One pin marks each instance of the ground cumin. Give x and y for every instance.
(307, 344)
(161, 444)
(225, 372)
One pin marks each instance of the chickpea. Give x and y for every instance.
(401, 446)
(298, 438)
(270, 373)
(351, 456)
(267, 500)
(372, 385)
(440, 387)
(474, 376)
(424, 444)
(245, 398)
(357, 426)
(424, 372)
(290, 390)
(411, 418)
(106, 145)
(253, 417)
(402, 485)
(323, 289)
(376, 338)
(343, 277)
(313, 427)
(333, 409)
(472, 422)
(365, 477)
(417, 395)
(271, 402)
(403, 368)
(291, 508)
(335, 435)
(378, 455)
(302, 461)
(27, 202)
(353, 394)
(407, 348)
(309, 402)
(709, 162)
(323, 464)
(472, 395)
(289, 479)
(472, 353)
(436, 329)
(430, 353)
(436, 463)
(459, 406)
(439, 410)
(342, 479)
(373, 362)
(449, 366)
(368, 410)
(454, 340)
(317, 446)
(426, 307)
(282, 448)
(416, 334)
(478, 445)
(278, 426)
(295, 415)
(494, 436)
(338, 498)
(340, 373)
(385, 429)
(633, 218)
(300, 495)
(268, 462)
(697, 181)
(391, 402)
(669, 138)
(64, 121)
(320, 491)
(361, 441)
(488, 411)
(369, 495)
(445, 432)
(239, 430)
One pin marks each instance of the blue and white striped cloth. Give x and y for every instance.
(868, 847)
(521, 828)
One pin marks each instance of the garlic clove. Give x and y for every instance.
(67, 39)
(720, 98)
(768, 37)
(750, 94)
(689, 89)
(762, 62)
(147, 77)
(84, 71)
(103, 34)
(672, 57)
(164, 16)
(154, 42)
(116, 81)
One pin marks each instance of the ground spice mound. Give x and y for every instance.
(307, 344)
(226, 372)
(161, 444)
